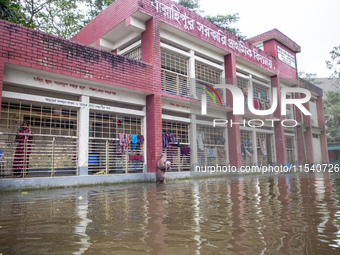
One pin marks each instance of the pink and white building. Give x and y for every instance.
(139, 70)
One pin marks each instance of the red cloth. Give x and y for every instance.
(136, 157)
(256, 104)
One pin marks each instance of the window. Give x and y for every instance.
(175, 75)
(209, 75)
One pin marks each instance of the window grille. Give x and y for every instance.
(175, 75)
(54, 146)
(206, 74)
(290, 149)
(106, 155)
(213, 153)
(179, 162)
(135, 53)
(258, 91)
(47, 120)
(243, 85)
(289, 109)
(247, 149)
(108, 125)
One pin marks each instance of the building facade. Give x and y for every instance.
(130, 85)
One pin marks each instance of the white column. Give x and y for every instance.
(226, 147)
(193, 141)
(256, 163)
(83, 131)
(192, 74)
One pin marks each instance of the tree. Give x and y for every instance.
(332, 115)
(190, 4)
(310, 77)
(11, 11)
(95, 7)
(334, 64)
(222, 21)
(58, 17)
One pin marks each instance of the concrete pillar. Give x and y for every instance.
(322, 124)
(193, 141)
(280, 145)
(299, 135)
(234, 136)
(151, 53)
(192, 75)
(2, 70)
(308, 135)
(83, 130)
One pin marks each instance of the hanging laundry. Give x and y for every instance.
(200, 138)
(165, 140)
(185, 151)
(172, 138)
(134, 140)
(221, 152)
(222, 140)
(136, 157)
(256, 104)
(211, 153)
(140, 140)
(262, 105)
(263, 146)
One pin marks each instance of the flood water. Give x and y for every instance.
(281, 214)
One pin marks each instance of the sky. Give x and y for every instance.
(312, 24)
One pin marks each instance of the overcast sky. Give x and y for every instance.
(312, 24)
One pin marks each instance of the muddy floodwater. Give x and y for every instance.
(281, 214)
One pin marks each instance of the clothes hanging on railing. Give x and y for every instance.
(136, 157)
(185, 151)
(133, 142)
(200, 138)
(123, 142)
(211, 153)
(263, 146)
(167, 138)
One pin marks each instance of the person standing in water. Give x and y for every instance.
(23, 150)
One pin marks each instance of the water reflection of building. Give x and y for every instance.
(77, 96)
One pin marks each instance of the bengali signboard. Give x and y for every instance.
(286, 57)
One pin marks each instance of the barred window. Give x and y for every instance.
(43, 119)
(135, 53)
(213, 152)
(209, 75)
(109, 125)
(175, 74)
(290, 149)
(247, 149)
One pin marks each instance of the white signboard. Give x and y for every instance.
(286, 57)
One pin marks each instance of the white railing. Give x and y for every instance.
(38, 155)
(107, 157)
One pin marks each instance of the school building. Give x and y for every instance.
(130, 85)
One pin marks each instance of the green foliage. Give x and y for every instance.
(332, 115)
(10, 10)
(190, 4)
(95, 7)
(334, 64)
(58, 17)
(310, 77)
(222, 21)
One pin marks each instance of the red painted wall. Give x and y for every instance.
(107, 19)
(29, 48)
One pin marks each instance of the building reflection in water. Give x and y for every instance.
(284, 214)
